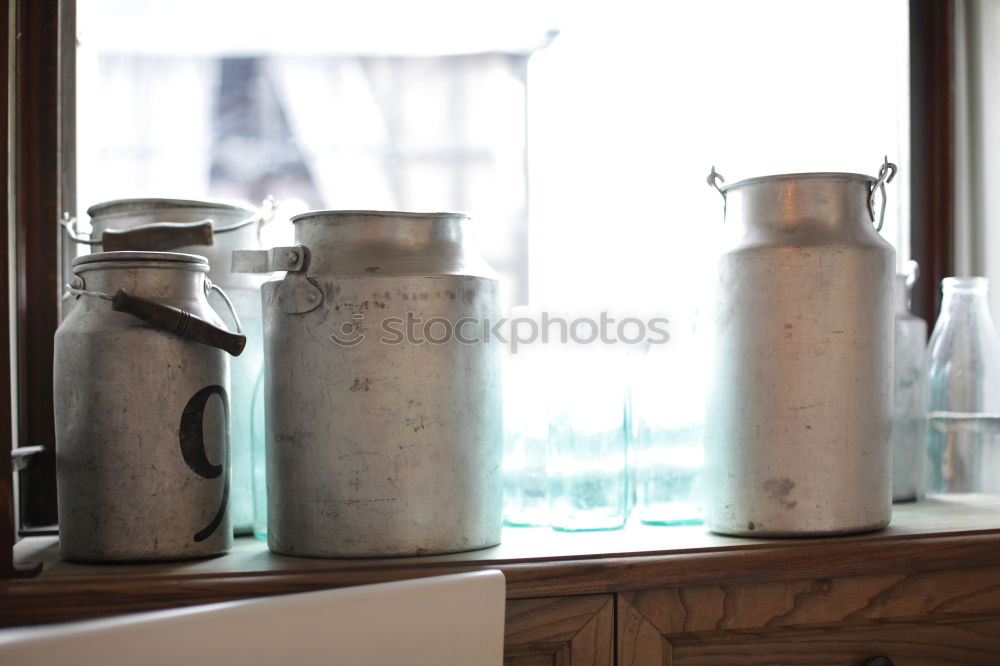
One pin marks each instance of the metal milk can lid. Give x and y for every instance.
(120, 206)
(184, 261)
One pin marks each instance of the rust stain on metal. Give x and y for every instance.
(780, 489)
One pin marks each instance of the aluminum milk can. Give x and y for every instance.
(384, 425)
(142, 411)
(213, 230)
(800, 394)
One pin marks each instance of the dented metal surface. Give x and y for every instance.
(142, 418)
(798, 416)
(234, 227)
(379, 445)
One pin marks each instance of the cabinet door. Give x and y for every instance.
(565, 631)
(970, 643)
(925, 618)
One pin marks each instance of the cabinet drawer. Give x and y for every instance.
(930, 617)
(966, 643)
(560, 631)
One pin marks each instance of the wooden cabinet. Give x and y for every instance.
(924, 591)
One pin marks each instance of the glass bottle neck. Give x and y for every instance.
(965, 292)
(966, 300)
(901, 295)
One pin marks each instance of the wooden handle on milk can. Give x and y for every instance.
(179, 322)
(160, 236)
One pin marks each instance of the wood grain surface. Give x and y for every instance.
(828, 621)
(926, 536)
(967, 643)
(568, 631)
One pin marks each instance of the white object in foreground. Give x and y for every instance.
(455, 620)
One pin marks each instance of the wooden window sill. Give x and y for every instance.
(943, 532)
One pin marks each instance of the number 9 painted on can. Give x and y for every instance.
(192, 442)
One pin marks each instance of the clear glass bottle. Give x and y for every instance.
(244, 372)
(909, 408)
(963, 369)
(668, 395)
(258, 450)
(588, 439)
(525, 437)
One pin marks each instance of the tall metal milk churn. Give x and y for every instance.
(384, 425)
(800, 399)
(142, 411)
(213, 230)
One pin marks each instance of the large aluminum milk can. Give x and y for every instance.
(384, 426)
(800, 397)
(142, 411)
(211, 229)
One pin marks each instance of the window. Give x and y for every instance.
(601, 139)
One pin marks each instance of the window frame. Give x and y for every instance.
(7, 537)
(932, 150)
(39, 110)
(43, 177)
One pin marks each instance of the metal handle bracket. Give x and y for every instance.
(293, 259)
(21, 456)
(297, 293)
(69, 225)
(263, 215)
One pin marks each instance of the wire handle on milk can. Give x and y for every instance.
(714, 178)
(175, 320)
(263, 215)
(165, 236)
(885, 175)
(161, 236)
(157, 237)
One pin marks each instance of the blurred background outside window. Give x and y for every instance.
(577, 134)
